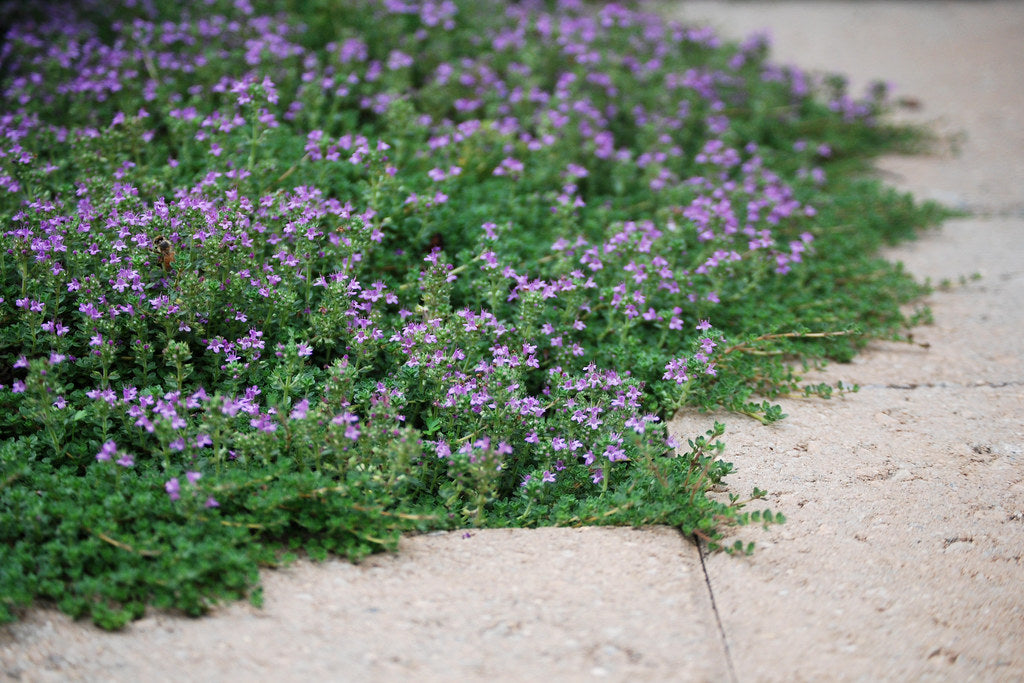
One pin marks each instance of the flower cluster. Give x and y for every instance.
(261, 242)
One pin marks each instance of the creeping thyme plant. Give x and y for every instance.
(304, 276)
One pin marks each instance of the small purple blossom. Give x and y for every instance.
(107, 451)
(300, 410)
(614, 453)
(676, 370)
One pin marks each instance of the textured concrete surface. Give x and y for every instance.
(901, 559)
(901, 556)
(562, 604)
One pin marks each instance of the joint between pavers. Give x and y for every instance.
(988, 212)
(714, 610)
(910, 386)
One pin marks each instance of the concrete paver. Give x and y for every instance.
(902, 555)
(505, 604)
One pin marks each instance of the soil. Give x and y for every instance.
(901, 556)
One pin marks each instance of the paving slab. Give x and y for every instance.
(613, 604)
(902, 555)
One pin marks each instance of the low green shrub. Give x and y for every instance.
(280, 281)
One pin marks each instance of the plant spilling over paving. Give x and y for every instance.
(304, 279)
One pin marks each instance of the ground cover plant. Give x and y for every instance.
(304, 276)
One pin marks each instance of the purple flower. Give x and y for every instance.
(106, 395)
(509, 166)
(676, 369)
(614, 453)
(264, 422)
(300, 410)
(196, 398)
(547, 476)
(173, 488)
(211, 502)
(193, 477)
(125, 460)
(107, 450)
